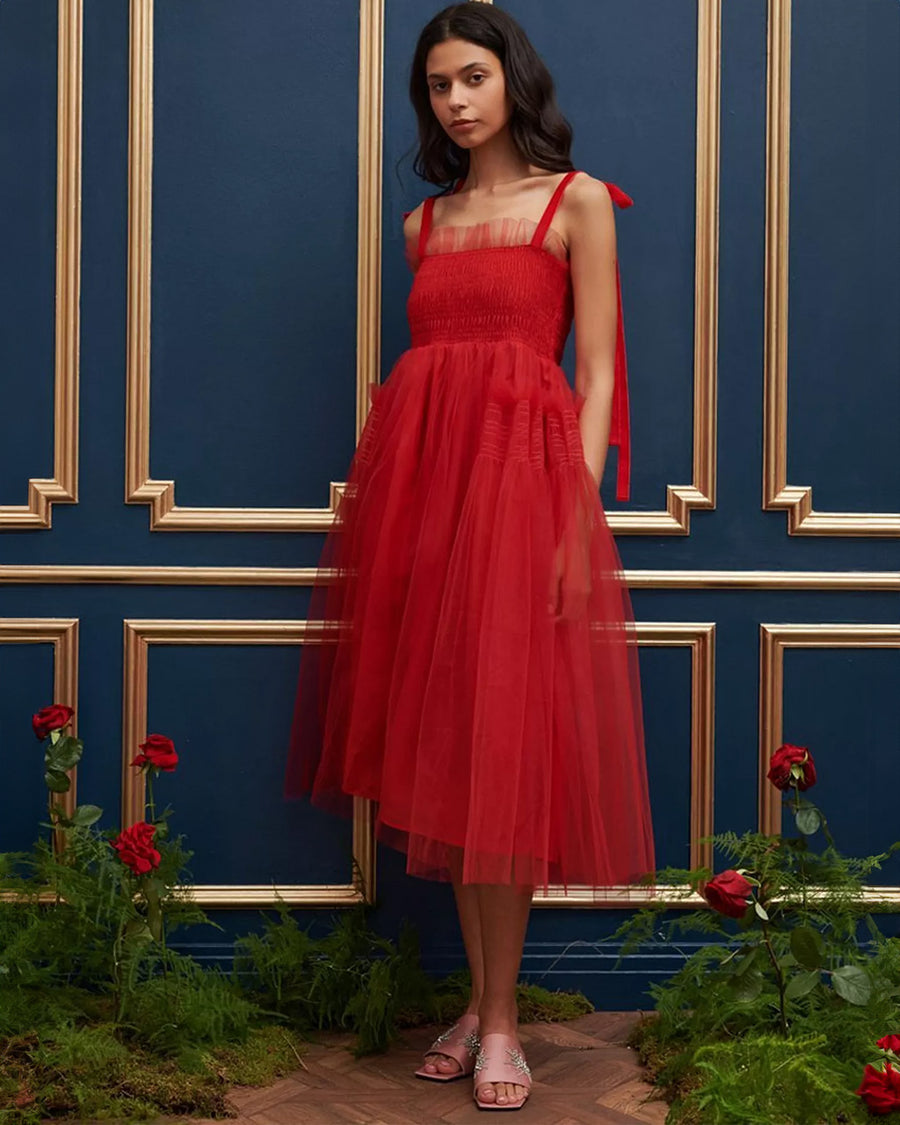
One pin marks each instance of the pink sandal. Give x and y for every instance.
(501, 1060)
(460, 1042)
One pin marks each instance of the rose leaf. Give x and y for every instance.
(808, 820)
(852, 984)
(807, 946)
(801, 984)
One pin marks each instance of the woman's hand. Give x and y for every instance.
(570, 577)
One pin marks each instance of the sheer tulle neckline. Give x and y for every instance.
(501, 232)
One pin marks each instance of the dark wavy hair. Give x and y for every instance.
(540, 132)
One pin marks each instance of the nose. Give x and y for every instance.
(457, 98)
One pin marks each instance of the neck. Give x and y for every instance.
(494, 164)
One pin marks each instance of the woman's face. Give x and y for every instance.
(466, 82)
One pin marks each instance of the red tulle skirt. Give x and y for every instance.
(475, 669)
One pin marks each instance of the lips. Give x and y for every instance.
(456, 124)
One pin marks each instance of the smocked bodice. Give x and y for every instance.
(492, 293)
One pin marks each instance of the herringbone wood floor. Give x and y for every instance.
(582, 1073)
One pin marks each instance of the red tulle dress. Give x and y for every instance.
(491, 722)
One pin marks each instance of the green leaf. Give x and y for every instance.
(747, 987)
(745, 963)
(138, 930)
(56, 782)
(58, 816)
(802, 983)
(808, 820)
(808, 947)
(852, 984)
(760, 910)
(85, 815)
(64, 754)
(155, 886)
(154, 920)
(151, 889)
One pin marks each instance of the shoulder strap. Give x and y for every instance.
(540, 233)
(425, 228)
(619, 428)
(427, 213)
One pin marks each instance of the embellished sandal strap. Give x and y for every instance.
(500, 1060)
(460, 1041)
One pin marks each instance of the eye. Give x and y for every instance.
(437, 87)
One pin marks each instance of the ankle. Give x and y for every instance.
(474, 1004)
(493, 1016)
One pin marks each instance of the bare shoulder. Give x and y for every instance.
(586, 196)
(412, 224)
(586, 205)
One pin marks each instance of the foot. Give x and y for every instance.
(439, 1064)
(502, 1093)
(436, 1063)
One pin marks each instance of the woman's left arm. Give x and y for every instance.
(591, 229)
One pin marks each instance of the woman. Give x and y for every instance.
(483, 685)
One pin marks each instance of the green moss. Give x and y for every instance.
(188, 1034)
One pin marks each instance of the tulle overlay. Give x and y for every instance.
(475, 666)
(479, 236)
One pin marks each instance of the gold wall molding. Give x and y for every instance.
(138, 636)
(796, 500)
(774, 640)
(167, 515)
(62, 488)
(40, 575)
(681, 500)
(62, 633)
(140, 487)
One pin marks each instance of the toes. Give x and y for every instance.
(501, 1092)
(494, 1092)
(441, 1064)
(507, 1091)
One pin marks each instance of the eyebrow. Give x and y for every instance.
(468, 66)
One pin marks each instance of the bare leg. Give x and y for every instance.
(470, 924)
(504, 919)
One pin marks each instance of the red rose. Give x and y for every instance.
(880, 1089)
(728, 893)
(780, 767)
(135, 847)
(54, 717)
(159, 752)
(889, 1043)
